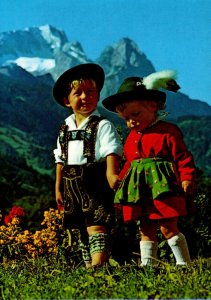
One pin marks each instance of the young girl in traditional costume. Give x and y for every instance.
(87, 161)
(159, 170)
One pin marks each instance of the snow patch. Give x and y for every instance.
(46, 32)
(35, 64)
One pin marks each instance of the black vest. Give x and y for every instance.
(87, 135)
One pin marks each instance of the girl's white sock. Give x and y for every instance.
(179, 248)
(148, 252)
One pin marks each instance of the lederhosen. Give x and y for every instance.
(88, 199)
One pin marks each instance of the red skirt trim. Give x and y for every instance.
(173, 206)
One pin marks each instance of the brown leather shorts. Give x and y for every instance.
(88, 199)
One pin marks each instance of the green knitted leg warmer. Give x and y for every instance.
(85, 250)
(98, 243)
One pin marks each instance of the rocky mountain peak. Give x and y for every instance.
(30, 42)
(53, 36)
(125, 57)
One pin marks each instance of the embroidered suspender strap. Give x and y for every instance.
(63, 140)
(88, 136)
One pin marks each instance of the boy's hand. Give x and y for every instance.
(113, 180)
(59, 199)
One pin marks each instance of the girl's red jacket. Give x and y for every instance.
(165, 140)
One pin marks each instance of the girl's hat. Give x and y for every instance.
(147, 88)
(83, 71)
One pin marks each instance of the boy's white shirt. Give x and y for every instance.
(107, 142)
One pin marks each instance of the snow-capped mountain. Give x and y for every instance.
(42, 41)
(39, 49)
(46, 50)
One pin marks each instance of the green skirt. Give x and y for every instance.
(147, 178)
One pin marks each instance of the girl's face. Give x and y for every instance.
(83, 97)
(138, 114)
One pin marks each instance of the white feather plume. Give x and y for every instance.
(163, 79)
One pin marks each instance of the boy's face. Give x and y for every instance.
(137, 114)
(83, 97)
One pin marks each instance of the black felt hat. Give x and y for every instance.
(82, 71)
(132, 88)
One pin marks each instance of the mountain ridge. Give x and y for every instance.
(50, 52)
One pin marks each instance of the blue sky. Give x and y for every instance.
(174, 34)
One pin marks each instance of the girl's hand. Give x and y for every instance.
(113, 180)
(188, 187)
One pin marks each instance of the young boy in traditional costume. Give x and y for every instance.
(87, 161)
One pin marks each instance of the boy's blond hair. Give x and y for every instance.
(81, 82)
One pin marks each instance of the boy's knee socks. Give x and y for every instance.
(179, 248)
(148, 252)
(98, 243)
(85, 250)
